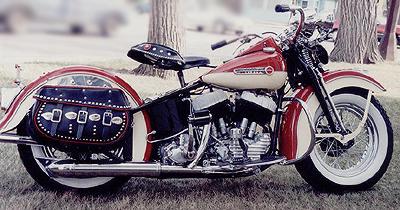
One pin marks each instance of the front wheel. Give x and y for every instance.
(359, 164)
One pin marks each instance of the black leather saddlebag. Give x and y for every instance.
(82, 117)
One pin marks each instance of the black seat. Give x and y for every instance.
(194, 61)
(165, 57)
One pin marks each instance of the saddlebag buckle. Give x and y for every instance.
(56, 115)
(82, 117)
(107, 118)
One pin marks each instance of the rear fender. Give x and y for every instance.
(24, 101)
(295, 135)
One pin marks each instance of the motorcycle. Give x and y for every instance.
(272, 104)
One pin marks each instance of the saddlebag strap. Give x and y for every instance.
(82, 119)
(56, 119)
(107, 122)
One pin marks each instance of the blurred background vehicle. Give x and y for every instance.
(217, 20)
(206, 16)
(381, 26)
(100, 16)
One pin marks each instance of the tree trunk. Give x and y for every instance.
(165, 28)
(389, 41)
(357, 38)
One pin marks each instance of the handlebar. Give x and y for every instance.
(223, 43)
(219, 45)
(281, 8)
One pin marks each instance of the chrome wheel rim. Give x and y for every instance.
(347, 160)
(44, 152)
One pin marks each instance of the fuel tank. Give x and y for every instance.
(260, 67)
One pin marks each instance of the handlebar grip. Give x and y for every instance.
(282, 8)
(218, 45)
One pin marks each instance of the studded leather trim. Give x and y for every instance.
(66, 121)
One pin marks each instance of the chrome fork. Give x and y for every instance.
(331, 104)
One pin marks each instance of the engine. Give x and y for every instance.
(240, 129)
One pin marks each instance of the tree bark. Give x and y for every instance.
(166, 28)
(389, 41)
(357, 38)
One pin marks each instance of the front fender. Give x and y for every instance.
(24, 101)
(295, 136)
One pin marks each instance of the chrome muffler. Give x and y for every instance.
(72, 170)
(155, 170)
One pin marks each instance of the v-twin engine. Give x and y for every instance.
(239, 130)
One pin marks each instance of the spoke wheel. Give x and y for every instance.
(355, 156)
(34, 160)
(360, 163)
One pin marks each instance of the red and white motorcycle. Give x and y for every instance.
(84, 128)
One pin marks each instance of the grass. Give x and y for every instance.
(277, 188)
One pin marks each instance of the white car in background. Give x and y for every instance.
(103, 16)
(216, 20)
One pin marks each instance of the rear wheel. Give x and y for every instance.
(36, 158)
(359, 164)
(33, 158)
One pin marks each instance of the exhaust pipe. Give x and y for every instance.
(16, 139)
(155, 170)
(117, 170)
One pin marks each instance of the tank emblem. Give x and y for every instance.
(255, 71)
(269, 70)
